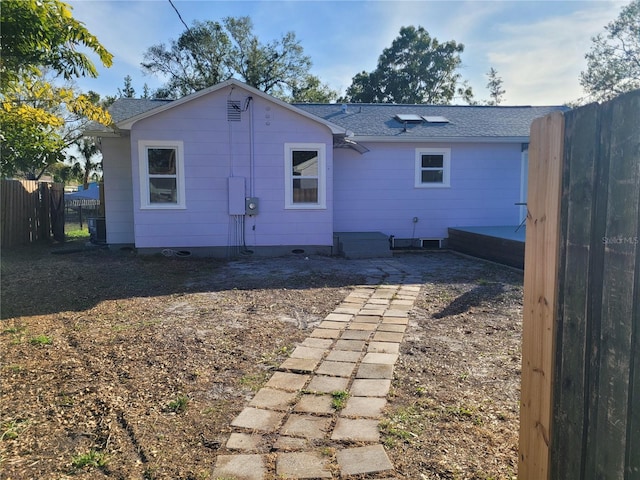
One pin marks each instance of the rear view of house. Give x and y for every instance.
(231, 169)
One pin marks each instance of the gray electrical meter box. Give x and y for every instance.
(251, 205)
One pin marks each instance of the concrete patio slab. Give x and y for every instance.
(306, 426)
(288, 381)
(360, 460)
(273, 399)
(355, 335)
(370, 387)
(367, 318)
(383, 347)
(339, 317)
(302, 465)
(362, 326)
(299, 364)
(381, 358)
(352, 345)
(343, 356)
(325, 333)
(246, 467)
(332, 325)
(395, 320)
(291, 443)
(374, 370)
(258, 419)
(391, 327)
(324, 384)
(324, 343)
(336, 369)
(311, 403)
(366, 407)
(356, 430)
(308, 352)
(243, 441)
(388, 337)
(396, 313)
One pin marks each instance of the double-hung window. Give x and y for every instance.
(161, 174)
(305, 177)
(433, 167)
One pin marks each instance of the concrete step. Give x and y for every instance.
(363, 244)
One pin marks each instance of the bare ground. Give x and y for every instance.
(120, 366)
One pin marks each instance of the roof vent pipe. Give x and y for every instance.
(343, 107)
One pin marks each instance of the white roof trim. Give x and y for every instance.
(128, 123)
(405, 139)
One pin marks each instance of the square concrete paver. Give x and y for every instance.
(291, 443)
(355, 335)
(243, 441)
(389, 315)
(324, 384)
(367, 407)
(325, 333)
(347, 310)
(273, 399)
(371, 459)
(382, 358)
(367, 318)
(288, 381)
(374, 370)
(362, 326)
(302, 465)
(388, 337)
(392, 327)
(356, 430)
(383, 347)
(306, 426)
(352, 345)
(299, 364)
(336, 369)
(332, 325)
(308, 352)
(364, 387)
(324, 343)
(372, 310)
(343, 356)
(247, 467)
(339, 317)
(320, 404)
(257, 419)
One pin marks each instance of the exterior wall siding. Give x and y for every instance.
(215, 149)
(376, 191)
(117, 190)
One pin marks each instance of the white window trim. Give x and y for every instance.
(143, 145)
(446, 164)
(322, 176)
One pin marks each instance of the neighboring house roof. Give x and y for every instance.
(395, 122)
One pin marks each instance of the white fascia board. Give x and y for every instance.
(395, 139)
(128, 123)
(105, 133)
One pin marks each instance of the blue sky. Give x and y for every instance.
(537, 47)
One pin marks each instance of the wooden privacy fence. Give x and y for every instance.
(580, 399)
(31, 211)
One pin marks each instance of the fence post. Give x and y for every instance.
(540, 281)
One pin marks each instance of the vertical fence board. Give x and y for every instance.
(620, 138)
(578, 198)
(540, 275)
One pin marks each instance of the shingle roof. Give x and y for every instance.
(124, 108)
(377, 119)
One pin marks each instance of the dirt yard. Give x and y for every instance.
(120, 366)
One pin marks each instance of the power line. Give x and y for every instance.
(180, 16)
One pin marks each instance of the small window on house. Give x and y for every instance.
(305, 175)
(161, 174)
(432, 167)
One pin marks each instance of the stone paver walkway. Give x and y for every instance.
(293, 419)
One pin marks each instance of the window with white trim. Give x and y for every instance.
(305, 175)
(161, 174)
(433, 167)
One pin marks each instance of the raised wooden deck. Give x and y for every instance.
(501, 244)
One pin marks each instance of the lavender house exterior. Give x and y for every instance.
(230, 167)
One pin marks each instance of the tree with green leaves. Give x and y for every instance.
(88, 159)
(41, 41)
(495, 87)
(416, 68)
(210, 52)
(613, 63)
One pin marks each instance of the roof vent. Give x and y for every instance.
(436, 119)
(233, 110)
(343, 107)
